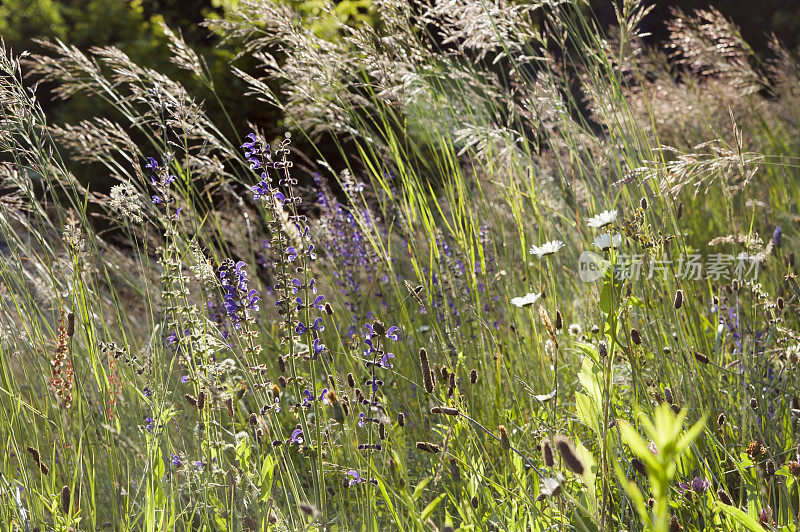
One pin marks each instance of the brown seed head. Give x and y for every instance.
(636, 338)
(428, 447)
(547, 453)
(504, 440)
(569, 455)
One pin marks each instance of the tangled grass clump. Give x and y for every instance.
(549, 283)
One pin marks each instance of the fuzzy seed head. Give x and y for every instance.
(569, 455)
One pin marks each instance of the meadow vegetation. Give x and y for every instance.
(547, 284)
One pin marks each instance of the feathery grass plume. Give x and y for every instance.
(724, 498)
(65, 499)
(425, 366)
(636, 337)
(700, 357)
(678, 303)
(568, 454)
(504, 440)
(445, 410)
(547, 453)
(281, 364)
(548, 325)
(401, 419)
(428, 447)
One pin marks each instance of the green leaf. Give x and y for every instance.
(420, 488)
(426, 513)
(741, 518)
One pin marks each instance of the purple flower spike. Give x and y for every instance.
(297, 436)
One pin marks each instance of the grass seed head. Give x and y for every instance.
(569, 454)
(547, 453)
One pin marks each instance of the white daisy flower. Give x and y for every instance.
(526, 300)
(603, 219)
(575, 329)
(548, 248)
(606, 241)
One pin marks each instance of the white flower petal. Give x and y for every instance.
(603, 219)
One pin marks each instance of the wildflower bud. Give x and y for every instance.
(547, 453)
(424, 363)
(253, 419)
(638, 466)
(65, 497)
(70, 324)
(721, 420)
(191, 400)
(678, 303)
(446, 410)
(455, 471)
(668, 395)
(201, 400)
(401, 419)
(229, 406)
(595, 329)
(351, 381)
(382, 431)
(328, 309)
(568, 453)
(755, 449)
(780, 303)
(504, 440)
(378, 327)
(700, 357)
(474, 502)
(428, 447)
(473, 376)
(602, 349)
(769, 469)
(636, 337)
(753, 403)
(559, 321)
(281, 364)
(643, 203)
(724, 498)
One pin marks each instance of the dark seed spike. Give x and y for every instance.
(547, 453)
(569, 455)
(65, 499)
(425, 366)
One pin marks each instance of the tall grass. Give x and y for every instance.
(169, 361)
